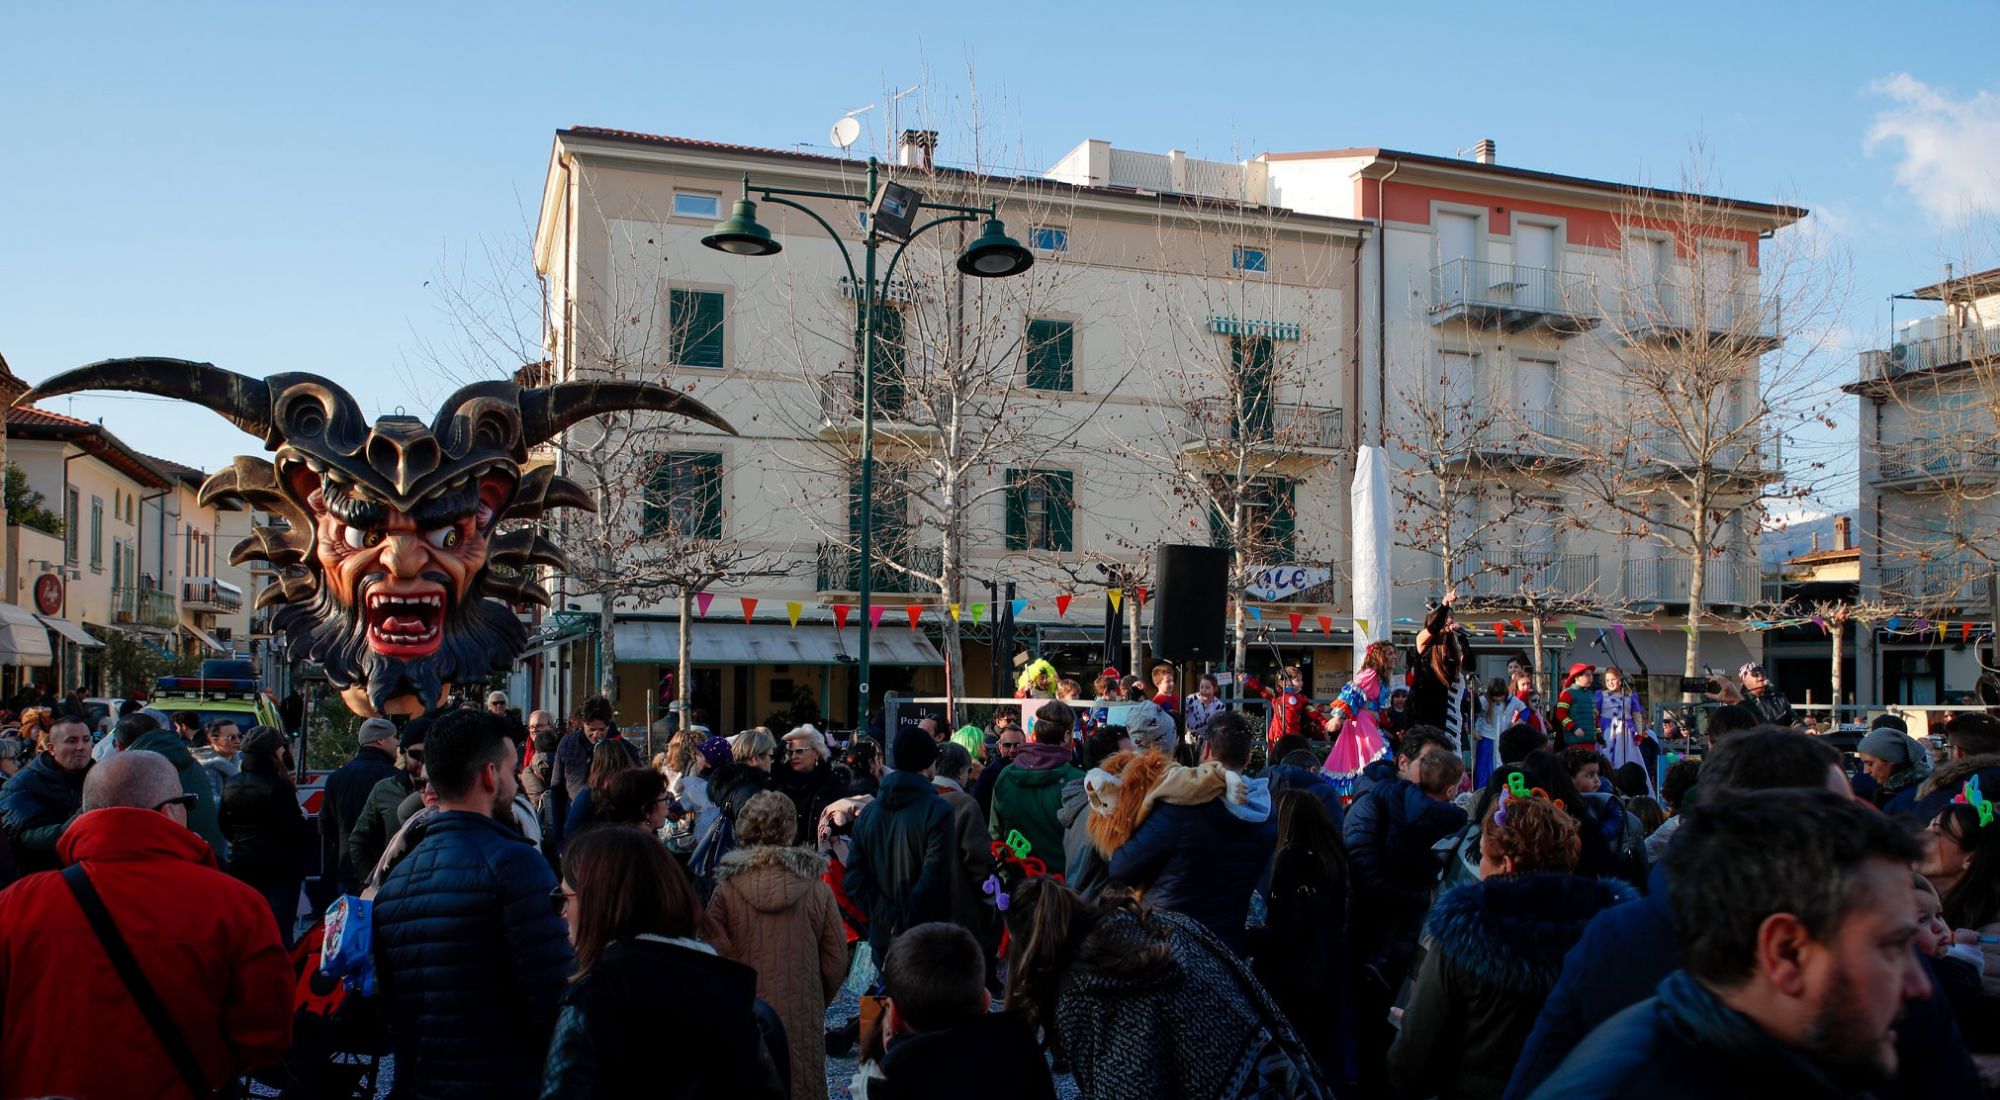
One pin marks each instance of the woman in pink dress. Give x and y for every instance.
(1356, 716)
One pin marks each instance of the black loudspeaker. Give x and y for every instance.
(1190, 603)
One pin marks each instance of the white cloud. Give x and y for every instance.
(1950, 147)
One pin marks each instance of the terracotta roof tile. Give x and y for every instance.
(29, 416)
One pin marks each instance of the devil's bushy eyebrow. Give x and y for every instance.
(446, 506)
(356, 511)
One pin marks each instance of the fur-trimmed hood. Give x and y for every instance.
(1512, 931)
(1124, 789)
(1952, 774)
(771, 877)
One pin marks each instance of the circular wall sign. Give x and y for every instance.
(49, 594)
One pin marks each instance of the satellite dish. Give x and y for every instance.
(846, 132)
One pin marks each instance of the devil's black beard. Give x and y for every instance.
(480, 637)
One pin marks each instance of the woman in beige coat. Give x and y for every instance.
(774, 914)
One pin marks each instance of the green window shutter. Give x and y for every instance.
(1062, 509)
(1017, 510)
(888, 358)
(1052, 355)
(696, 317)
(1251, 356)
(705, 469)
(659, 487)
(1284, 521)
(683, 496)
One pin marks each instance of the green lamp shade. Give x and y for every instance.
(741, 233)
(995, 255)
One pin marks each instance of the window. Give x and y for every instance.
(97, 533)
(888, 361)
(693, 204)
(1052, 355)
(117, 564)
(1269, 520)
(1041, 506)
(684, 496)
(1250, 356)
(1048, 238)
(70, 526)
(1249, 259)
(696, 317)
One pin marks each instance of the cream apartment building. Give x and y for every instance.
(1113, 368)
(1503, 301)
(1930, 467)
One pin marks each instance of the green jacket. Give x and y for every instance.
(205, 819)
(378, 822)
(1029, 801)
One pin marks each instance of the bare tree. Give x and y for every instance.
(1714, 341)
(1245, 351)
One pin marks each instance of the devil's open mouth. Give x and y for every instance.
(404, 624)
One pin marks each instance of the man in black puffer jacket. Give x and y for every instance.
(899, 860)
(472, 959)
(347, 795)
(37, 803)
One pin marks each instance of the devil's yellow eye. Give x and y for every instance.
(444, 538)
(358, 539)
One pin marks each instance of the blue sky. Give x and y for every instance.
(287, 187)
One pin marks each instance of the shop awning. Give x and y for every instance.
(204, 637)
(69, 630)
(651, 641)
(24, 641)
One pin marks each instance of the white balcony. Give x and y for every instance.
(211, 594)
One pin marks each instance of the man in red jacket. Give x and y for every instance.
(69, 1026)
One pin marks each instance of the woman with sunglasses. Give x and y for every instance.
(641, 940)
(265, 828)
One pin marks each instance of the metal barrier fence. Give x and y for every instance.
(980, 711)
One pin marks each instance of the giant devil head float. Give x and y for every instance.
(395, 572)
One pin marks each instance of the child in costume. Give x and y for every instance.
(1576, 709)
(1356, 719)
(1037, 681)
(1291, 712)
(1621, 722)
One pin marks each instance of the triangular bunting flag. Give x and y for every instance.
(1117, 596)
(1964, 631)
(701, 602)
(1363, 624)
(916, 611)
(1256, 613)
(1570, 626)
(1141, 593)
(978, 612)
(749, 607)
(1499, 630)
(840, 611)
(1620, 629)
(953, 608)
(1519, 629)
(1326, 624)
(1019, 606)
(1893, 622)
(1297, 618)
(792, 612)
(875, 615)
(1687, 629)
(1062, 604)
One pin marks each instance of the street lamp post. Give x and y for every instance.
(892, 213)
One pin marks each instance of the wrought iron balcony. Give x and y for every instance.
(839, 568)
(1950, 582)
(1949, 349)
(1527, 436)
(1507, 574)
(140, 605)
(1762, 457)
(1214, 423)
(1935, 463)
(1513, 298)
(840, 401)
(1682, 313)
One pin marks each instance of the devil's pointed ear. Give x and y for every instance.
(304, 485)
(496, 489)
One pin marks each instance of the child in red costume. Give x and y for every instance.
(1291, 711)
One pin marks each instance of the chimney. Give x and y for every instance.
(1815, 537)
(1486, 151)
(1843, 533)
(917, 148)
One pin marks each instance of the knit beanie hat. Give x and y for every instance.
(913, 751)
(715, 750)
(1886, 744)
(375, 729)
(1151, 728)
(1889, 722)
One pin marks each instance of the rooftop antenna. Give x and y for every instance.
(895, 101)
(847, 129)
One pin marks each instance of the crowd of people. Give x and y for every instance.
(1430, 887)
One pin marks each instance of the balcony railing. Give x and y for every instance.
(1761, 456)
(143, 606)
(1213, 422)
(839, 568)
(1524, 433)
(1676, 311)
(1517, 573)
(210, 594)
(1512, 297)
(840, 399)
(1664, 580)
(1945, 583)
(1934, 460)
(1960, 345)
